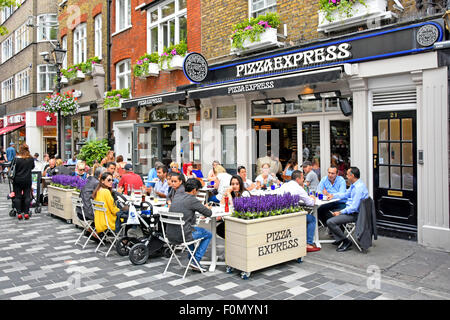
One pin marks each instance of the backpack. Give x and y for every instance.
(12, 170)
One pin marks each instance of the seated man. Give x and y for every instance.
(51, 169)
(86, 194)
(353, 196)
(330, 185)
(80, 171)
(294, 187)
(130, 180)
(152, 175)
(311, 179)
(161, 186)
(111, 168)
(187, 203)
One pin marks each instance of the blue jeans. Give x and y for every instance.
(120, 214)
(213, 199)
(310, 228)
(203, 246)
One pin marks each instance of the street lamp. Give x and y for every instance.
(58, 55)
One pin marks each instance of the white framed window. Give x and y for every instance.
(260, 7)
(64, 46)
(46, 76)
(98, 36)
(22, 83)
(79, 44)
(47, 27)
(22, 38)
(123, 14)
(7, 49)
(6, 12)
(123, 74)
(7, 89)
(167, 25)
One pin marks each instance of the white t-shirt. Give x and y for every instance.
(247, 183)
(294, 188)
(224, 184)
(261, 179)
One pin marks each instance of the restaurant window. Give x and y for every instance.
(261, 7)
(89, 127)
(123, 14)
(167, 25)
(64, 46)
(46, 75)
(98, 36)
(22, 83)
(229, 146)
(7, 90)
(261, 109)
(6, 13)
(226, 112)
(340, 145)
(22, 38)
(7, 49)
(264, 107)
(47, 27)
(67, 138)
(80, 44)
(169, 113)
(332, 105)
(123, 74)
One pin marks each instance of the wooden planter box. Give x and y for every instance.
(60, 203)
(256, 244)
(360, 15)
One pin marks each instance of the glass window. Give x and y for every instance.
(260, 7)
(22, 38)
(226, 112)
(261, 109)
(98, 36)
(311, 141)
(123, 14)
(64, 46)
(340, 145)
(22, 83)
(79, 44)
(123, 74)
(229, 146)
(331, 105)
(7, 49)
(7, 89)
(168, 25)
(47, 27)
(169, 113)
(46, 75)
(311, 105)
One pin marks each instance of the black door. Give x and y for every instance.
(395, 173)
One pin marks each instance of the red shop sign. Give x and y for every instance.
(45, 119)
(1, 123)
(17, 119)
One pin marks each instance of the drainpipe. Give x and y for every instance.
(108, 71)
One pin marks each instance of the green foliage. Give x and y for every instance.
(141, 66)
(169, 52)
(94, 150)
(3, 4)
(252, 29)
(85, 67)
(343, 7)
(113, 97)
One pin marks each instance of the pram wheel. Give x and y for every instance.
(124, 244)
(12, 213)
(167, 253)
(139, 254)
(37, 210)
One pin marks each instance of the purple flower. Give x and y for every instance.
(248, 28)
(140, 62)
(173, 52)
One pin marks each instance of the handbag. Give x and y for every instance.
(12, 170)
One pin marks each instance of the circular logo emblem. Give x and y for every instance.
(427, 35)
(195, 67)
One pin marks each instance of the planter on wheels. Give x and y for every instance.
(255, 244)
(60, 203)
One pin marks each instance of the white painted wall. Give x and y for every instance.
(33, 133)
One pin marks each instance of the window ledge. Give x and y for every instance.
(120, 31)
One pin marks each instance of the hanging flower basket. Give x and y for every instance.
(66, 103)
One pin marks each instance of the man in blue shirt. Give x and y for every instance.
(153, 175)
(161, 186)
(11, 152)
(330, 185)
(353, 196)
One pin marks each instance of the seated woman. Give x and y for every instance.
(187, 171)
(211, 174)
(290, 167)
(235, 190)
(103, 193)
(221, 183)
(265, 179)
(173, 167)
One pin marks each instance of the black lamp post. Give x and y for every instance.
(58, 55)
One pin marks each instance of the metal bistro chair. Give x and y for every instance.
(175, 218)
(109, 234)
(88, 225)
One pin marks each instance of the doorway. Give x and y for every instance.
(50, 146)
(395, 173)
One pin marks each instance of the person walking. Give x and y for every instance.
(11, 152)
(22, 182)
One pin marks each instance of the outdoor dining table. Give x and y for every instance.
(216, 212)
(317, 204)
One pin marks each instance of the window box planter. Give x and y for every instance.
(152, 71)
(176, 63)
(360, 15)
(267, 39)
(64, 80)
(259, 243)
(60, 202)
(80, 75)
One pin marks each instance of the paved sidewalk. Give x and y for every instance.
(38, 260)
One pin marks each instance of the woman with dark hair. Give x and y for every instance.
(103, 193)
(22, 182)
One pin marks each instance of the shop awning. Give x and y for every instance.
(267, 83)
(9, 129)
(154, 99)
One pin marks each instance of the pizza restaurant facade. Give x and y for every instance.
(376, 99)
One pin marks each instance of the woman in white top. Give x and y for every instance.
(265, 179)
(248, 184)
(211, 174)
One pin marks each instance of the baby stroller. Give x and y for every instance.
(11, 196)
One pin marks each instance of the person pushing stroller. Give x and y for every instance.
(22, 193)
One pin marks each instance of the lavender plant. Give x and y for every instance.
(255, 207)
(68, 182)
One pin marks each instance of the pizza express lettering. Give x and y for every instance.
(299, 59)
(57, 203)
(251, 87)
(150, 101)
(287, 242)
